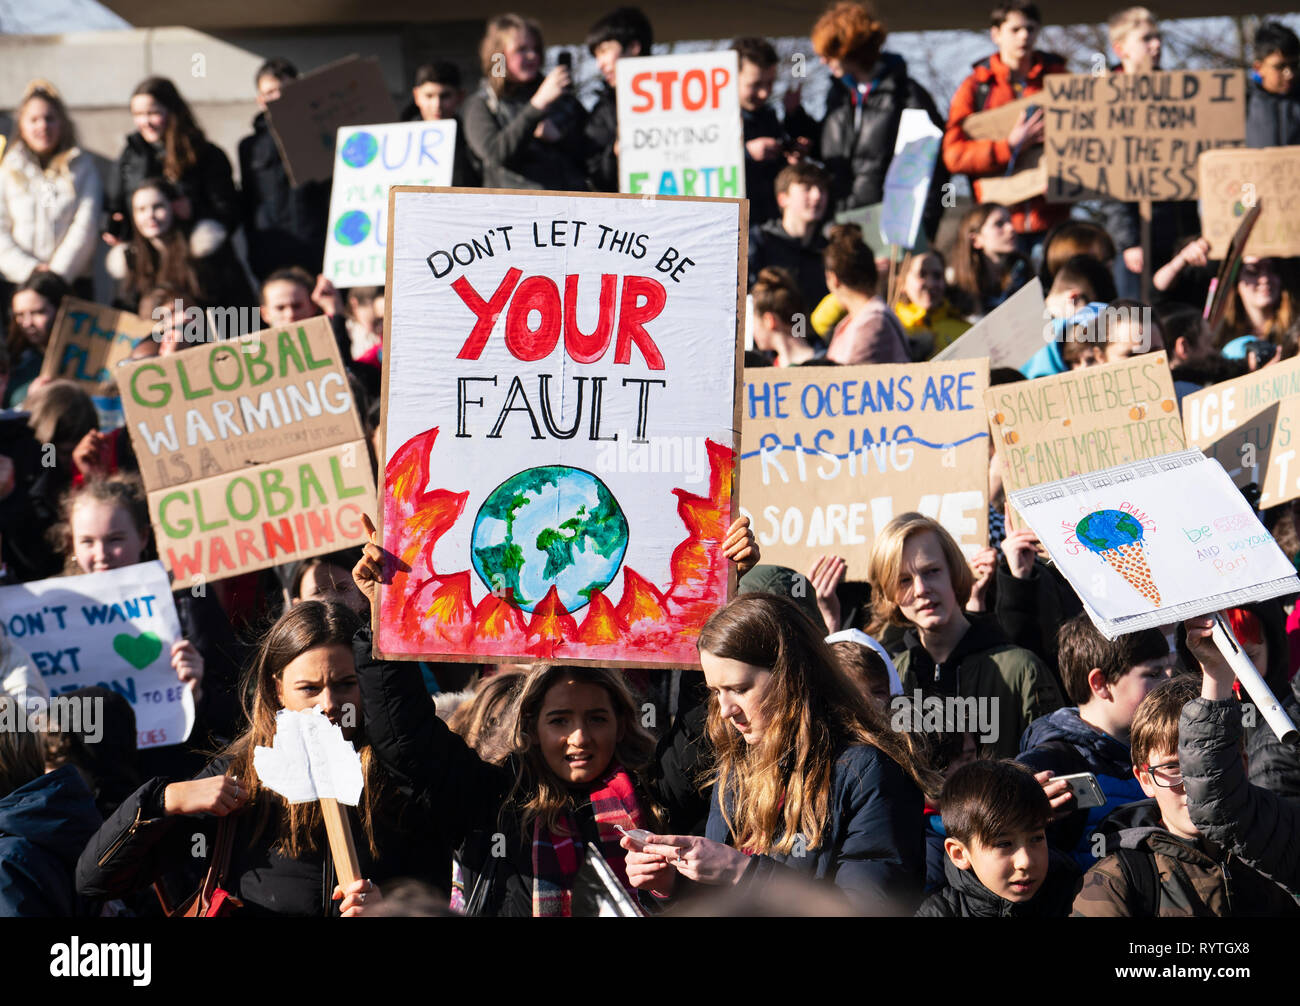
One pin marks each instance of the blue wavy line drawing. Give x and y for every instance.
(865, 447)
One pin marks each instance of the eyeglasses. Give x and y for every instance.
(1167, 776)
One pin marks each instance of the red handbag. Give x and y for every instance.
(211, 900)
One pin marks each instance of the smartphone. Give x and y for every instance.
(1085, 788)
(639, 836)
(1031, 110)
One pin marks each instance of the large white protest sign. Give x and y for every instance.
(367, 161)
(907, 182)
(114, 629)
(679, 129)
(559, 423)
(1156, 541)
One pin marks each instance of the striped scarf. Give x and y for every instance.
(556, 859)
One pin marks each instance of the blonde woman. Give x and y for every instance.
(49, 194)
(526, 128)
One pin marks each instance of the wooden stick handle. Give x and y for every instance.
(339, 833)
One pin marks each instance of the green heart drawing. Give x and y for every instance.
(138, 651)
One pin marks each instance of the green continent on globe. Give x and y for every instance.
(505, 558)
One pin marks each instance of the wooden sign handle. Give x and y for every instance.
(339, 833)
(1144, 217)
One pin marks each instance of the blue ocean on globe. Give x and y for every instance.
(359, 149)
(352, 227)
(549, 525)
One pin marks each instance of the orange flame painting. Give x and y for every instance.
(429, 612)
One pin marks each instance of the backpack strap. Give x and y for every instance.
(985, 83)
(1139, 869)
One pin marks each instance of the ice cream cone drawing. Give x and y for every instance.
(1117, 537)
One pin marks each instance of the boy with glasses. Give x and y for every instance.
(1273, 100)
(1172, 870)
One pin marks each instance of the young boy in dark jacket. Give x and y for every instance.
(1176, 870)
(999, 864)
(1273, 100)
(625, 32)
(1107, 679)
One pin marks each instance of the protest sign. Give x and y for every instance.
(907, 182)
(1055, 427)
(114, 629)
(251, 450)
(1247, 425)
(89, 340)
(1136, 136)
(832, 455)
(1156, 541)
(559, 423)
(1028, 175)
(679, 129)
(367, 160)
(1009, 335)
(1233, 181)
(307, 116)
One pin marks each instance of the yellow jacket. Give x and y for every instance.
(944, 322)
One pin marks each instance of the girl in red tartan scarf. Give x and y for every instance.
(577, 749)
(525, 829)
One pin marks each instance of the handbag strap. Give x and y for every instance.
(220, 864)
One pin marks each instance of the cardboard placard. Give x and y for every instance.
(251, 450)
(1156, 541)
(1030, 176)
(1082, 421)
(833, 454)
(559, 423)
(310, 111)
(1233, 181)
(114, 629)
(1009, 335)
(1136, 136)
(367, 160)
(1247, 425)
(89, 340)
(679, 127)
(907, 181)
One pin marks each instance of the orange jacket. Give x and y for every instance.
(978, 158)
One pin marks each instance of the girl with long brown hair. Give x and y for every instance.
(168, 143)
(280, 864)
(986, 267)
(574, 776)
(808, 775)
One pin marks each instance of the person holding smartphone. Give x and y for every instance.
(525, 127)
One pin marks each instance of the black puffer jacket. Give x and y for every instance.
(1255, 823)
(1272, 120)
(965, 897)
(284, 225)
(1273, 765)
(499, 131)
(857, 140)
(139, 845)
(208, 185)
